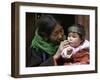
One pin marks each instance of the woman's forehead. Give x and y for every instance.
(57, 28)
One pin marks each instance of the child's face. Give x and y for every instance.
(74, 39)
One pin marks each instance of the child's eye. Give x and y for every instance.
(74, 36)
(69, 36)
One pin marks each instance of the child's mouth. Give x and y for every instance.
(70, 43)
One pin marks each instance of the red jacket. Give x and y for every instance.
(81, 57)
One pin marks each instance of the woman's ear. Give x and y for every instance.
(45, 36)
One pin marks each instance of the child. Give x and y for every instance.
(77, 47)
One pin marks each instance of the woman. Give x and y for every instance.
(44, 48)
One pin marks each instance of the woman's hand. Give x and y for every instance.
(63, 45)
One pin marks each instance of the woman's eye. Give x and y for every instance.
(55, 34)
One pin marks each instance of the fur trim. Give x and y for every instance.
(85, 45)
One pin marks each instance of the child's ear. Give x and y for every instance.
(82, 40)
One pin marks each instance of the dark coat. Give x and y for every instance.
(38, 58)
(41, 58)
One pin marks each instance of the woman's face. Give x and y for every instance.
(74, 39)
(57, 35)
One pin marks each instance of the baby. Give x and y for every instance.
(77, 47)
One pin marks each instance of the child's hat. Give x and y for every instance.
(77, 29)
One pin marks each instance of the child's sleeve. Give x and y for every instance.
(81, 57)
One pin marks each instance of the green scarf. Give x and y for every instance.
(39, 43)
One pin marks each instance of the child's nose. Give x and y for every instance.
(70, 39)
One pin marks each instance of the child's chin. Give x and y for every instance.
(71, 44)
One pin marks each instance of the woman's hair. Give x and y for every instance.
(45, 25)
(77, 28)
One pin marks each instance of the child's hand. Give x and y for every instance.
(67, 52)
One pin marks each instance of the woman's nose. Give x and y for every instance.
(61, 36)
